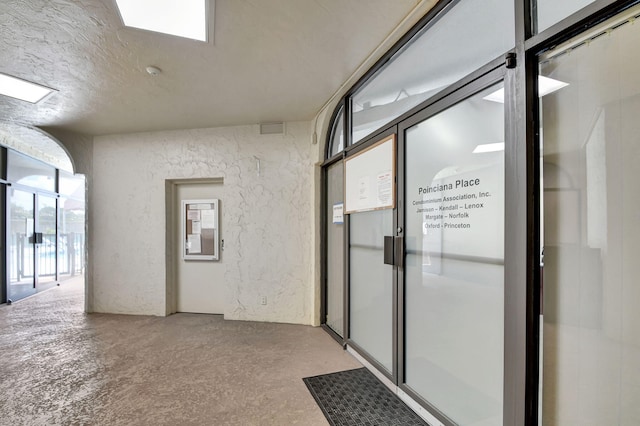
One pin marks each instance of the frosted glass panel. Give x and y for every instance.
(591, 333)
(371, 285)
(454, 273)
(471, 34)
(335, 250)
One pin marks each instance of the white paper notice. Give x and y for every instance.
(193, 214)
(338, 213)
(193, 243)
(196, 227)
(208, 219)
(385, 186)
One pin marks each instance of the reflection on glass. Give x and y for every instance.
(454, 267)
(335, 249)
(30, 172)
(471, 34)
(21, 247)
(591, 331)
(551, 12)
(371, 285)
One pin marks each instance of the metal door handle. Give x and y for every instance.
(393, 250)
(388, 250)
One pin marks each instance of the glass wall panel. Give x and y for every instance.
(335, 248)
(337, 135)
(454, 267)
(549, 12)
(371, 285)
(471, 34)
(30, 172)
(71, 235)
(591, 149)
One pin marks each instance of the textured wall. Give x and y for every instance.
(267, 218)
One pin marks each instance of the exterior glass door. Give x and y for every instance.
(454, 259)
(21, 254)
(32, 255)
(46, 248)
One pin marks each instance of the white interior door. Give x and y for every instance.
(200, 283)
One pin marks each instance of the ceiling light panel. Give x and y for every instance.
(23, 89)
(182, 18)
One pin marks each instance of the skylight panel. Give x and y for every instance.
(182, 18)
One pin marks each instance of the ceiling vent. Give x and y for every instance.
(272, 128)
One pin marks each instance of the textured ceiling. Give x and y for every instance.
(268, 60)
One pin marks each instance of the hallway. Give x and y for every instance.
(60, 366)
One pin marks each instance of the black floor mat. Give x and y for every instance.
(357, 397)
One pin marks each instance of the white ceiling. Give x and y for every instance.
(267, 60)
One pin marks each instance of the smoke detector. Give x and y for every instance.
(153, 71)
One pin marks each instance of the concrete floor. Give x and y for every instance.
(60, 366)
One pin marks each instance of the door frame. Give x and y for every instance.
(515, 362)
(37, 285)
(393, 375)
(173, 216)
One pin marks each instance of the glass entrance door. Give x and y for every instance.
(454, 264)
(46, 247)
(32, 255)
(21, 253)
(431, 319)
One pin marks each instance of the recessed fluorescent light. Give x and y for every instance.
(182, 18)
(489, 147)
(23, 89)
(546, 85)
